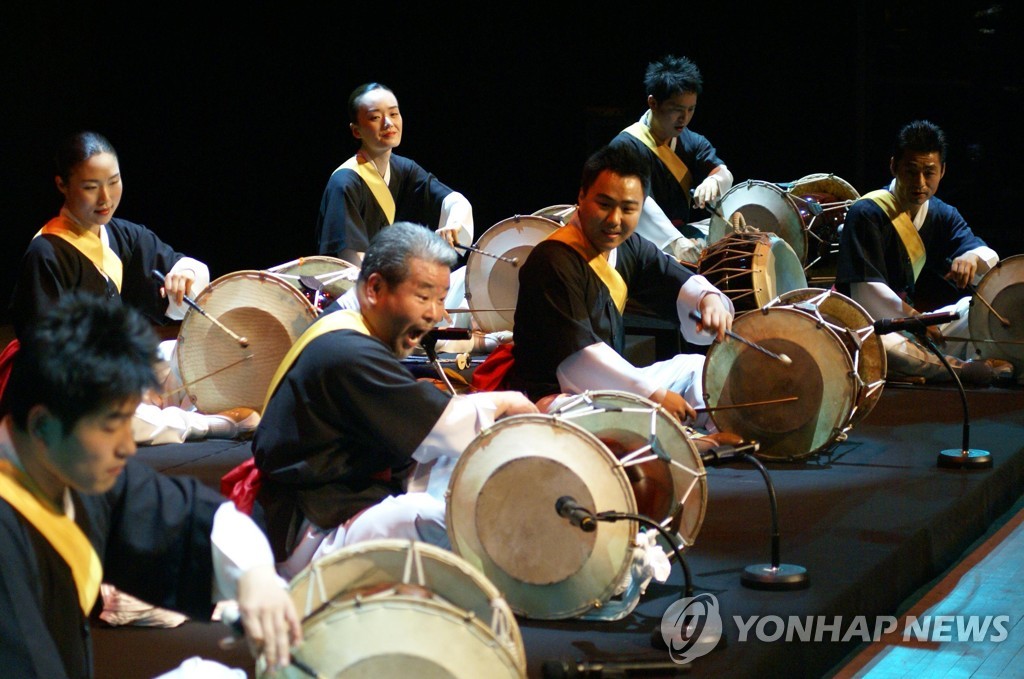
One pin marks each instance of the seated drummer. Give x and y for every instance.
(893, 234)
(679, 159)
(351, 446)
(573, 287)
(85, 248)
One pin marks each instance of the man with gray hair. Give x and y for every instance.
(351, 446)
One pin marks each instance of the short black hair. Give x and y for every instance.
(391, 249)
(84, 354)
(920, 136)
(621, 159)
(670, 75)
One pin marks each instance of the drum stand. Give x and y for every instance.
(966, 457)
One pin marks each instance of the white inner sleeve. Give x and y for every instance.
(655, 226)
(723, 176)
(202, 279)
(690, 295)
(457, 213)
(238, 545)
(598, 366)
(878, 299)
(463, 418)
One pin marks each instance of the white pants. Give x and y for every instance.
(176, 420)
(907, 356)
(683, 374)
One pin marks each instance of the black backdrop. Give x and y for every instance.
(228, 122)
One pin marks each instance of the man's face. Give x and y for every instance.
(610, 209)
(671, 116)
(379, 122)
(93, 453)
(402, 314)
(917, 176)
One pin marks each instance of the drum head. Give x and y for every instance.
(763, 206)
(752, 268)
(492, 285)
(559, 213)
(217, 372)
(646, 439)
(501, 515)
(1003, 288)
(336, 275)
(855, 327)
(820, 376)
(822, 182)
(404, 606)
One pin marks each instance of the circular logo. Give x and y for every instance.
(691, 627)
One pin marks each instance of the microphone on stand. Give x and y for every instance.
(429, 344)
(914, 324)
(561, 669)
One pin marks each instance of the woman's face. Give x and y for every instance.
(93, 190)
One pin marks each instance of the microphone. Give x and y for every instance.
(913, 323)
(435, 334)
(577, 514)
(724, 453)
(561, 669)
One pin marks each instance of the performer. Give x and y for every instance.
(679, 159)
(376, 187)
(891, 235)
(347, 430)
(77, 509)
(86, 248)
(568, 329)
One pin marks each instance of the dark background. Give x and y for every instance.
(229, 122)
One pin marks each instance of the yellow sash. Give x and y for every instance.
(368, 171)
(667, 156)
(572, 235)
(336, 320)
(89, 244)
(60, 531)
(904, 226)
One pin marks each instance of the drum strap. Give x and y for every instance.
(572, 235)
(88, 243)
(60, 531)
(674, 163)
(904, 226)
(336, 320)
(365, 168)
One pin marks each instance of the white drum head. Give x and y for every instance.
(665, 471)
(501, 515)
(1003, 288)
(765, 207)
(560, 213)
(216, 371)
(336, 275)
(389, 607)
(752, 268)
(821, 376)
(492, 285)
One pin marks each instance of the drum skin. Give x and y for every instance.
(492, 285)
(216, 371)
(336, 275)
(765, 207)
(1003, 288)
(392, 608)
(820, 375)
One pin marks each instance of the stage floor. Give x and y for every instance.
(872, 522)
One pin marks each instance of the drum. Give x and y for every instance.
(401, 608)
(608, 450)
(1003, 288)
(216, 371)
(492, 284)
(855, 327)
(820, 375)
(321, 279)
(808, 214)
(560, 213)
(752, 268)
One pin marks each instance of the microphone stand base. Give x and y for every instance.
(954, 458)
(782, 577)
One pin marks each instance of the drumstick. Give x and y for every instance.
(466, 311)
(989, 341)
(190, 302)
(206, 376)
(695, 315)
(708, 409)
(1005, 323)
(514, 261)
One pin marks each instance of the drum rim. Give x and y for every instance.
(980, 320)
(719, 226)
(763, 289)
